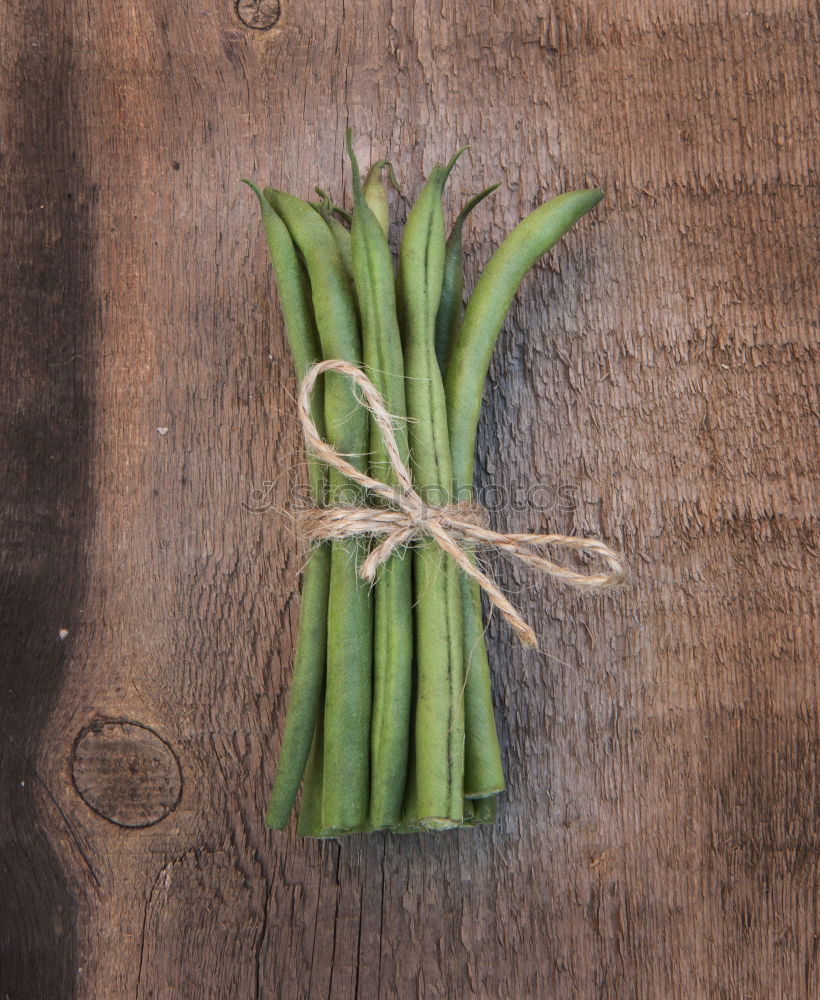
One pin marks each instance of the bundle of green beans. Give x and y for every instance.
(390, 721)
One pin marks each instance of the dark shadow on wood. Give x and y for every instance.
(46, 502)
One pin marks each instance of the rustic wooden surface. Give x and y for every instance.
(659, 835)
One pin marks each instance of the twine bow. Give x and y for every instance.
(408, 517)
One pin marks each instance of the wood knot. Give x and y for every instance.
(261, 15)
(126, 773)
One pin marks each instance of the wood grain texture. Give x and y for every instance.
(659, 837)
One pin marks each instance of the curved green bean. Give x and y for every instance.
(467, 369)
(486, 311)
(346, 765)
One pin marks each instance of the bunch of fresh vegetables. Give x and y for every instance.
(390, 719)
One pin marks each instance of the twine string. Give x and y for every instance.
(456, 528)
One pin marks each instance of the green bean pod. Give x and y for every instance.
(449, 311)
(293, 286)
(341, 235)
(305, 699)
(483, 771)
(309, 823)
(375, 193)
(484, 810)
(393, 629)
(486, 311)
(439, 709)
(467, 370)
(346, 764)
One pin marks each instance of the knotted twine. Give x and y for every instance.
(407, 517)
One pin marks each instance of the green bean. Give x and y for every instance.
(309, 823)
(345, 792)
(300, 324)
(470, 356)
(483, 770)
(305, 697)
(375, 193)
(450, 307)
(486, 311)
(484, 809)
(409, 819)
(393, 634)
(332, 207)
(326, 209)
(304, 703)
(447, 169)
(439, 718)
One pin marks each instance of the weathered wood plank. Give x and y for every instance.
(659, 835)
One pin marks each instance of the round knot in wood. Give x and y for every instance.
(261, 15)
(126, 773)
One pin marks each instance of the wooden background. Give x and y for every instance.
(659, 835)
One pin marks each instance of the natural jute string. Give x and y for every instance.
(408, 517)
